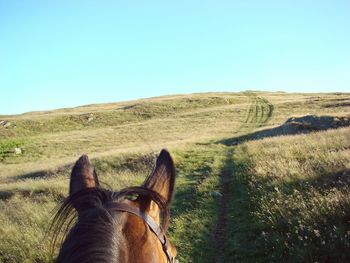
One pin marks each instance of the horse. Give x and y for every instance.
(127, 226)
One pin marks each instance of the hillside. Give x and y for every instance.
(257, 180)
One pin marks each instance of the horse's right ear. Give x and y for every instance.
(83, 176)
(162, 179)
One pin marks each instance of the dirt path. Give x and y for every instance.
(258, 114)
(220, 237)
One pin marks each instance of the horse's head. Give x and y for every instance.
(124, 226)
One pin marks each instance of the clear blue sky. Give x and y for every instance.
(67, 53)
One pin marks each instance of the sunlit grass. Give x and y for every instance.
(289, 196)
(195, 209)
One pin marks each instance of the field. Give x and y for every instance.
(244, 193)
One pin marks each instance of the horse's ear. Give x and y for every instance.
(162, 179)
(83, 176)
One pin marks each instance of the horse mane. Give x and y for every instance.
(92, 202)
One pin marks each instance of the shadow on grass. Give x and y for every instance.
(292, 126)
(242, 229)
(5, 195)
(35, 175)
(37, 195)
(226, 178)
(324, 182)
(257, 233)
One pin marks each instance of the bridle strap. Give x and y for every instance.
(150, 222)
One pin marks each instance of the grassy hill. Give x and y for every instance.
(244, 193)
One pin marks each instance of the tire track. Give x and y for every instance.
(259, 111)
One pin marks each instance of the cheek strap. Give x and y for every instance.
(156, 229)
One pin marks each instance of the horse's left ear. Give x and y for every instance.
(162, 179)
(83, 176)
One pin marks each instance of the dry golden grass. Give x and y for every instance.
(301, 168)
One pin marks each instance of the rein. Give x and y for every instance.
(156, 229)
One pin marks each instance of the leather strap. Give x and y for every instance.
(150, 222)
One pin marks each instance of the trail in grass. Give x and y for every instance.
(259, 111)
(233, 192)
(220, 239)
(233, 233)
(238, 233)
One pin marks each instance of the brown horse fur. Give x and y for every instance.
(100, 234)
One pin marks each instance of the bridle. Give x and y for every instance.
(156, 229)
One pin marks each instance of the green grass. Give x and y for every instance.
(195, 209)
(295, 194)
(27, 125)
(7, 148)
(251, 201)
